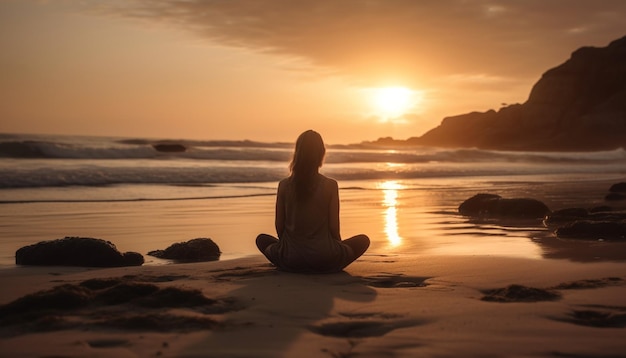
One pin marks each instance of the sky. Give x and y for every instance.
(267, 70)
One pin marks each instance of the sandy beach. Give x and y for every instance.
(476, 149)
(433, 284)
(381, 306)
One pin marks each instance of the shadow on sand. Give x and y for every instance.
(282, 308)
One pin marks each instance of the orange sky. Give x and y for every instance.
(267, 70)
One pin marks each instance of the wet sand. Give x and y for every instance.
(433, 284)
(403, 217)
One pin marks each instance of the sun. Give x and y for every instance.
(393, 102)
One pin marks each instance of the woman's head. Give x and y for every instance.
(308, 155)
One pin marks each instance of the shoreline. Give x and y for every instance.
(380, 305)
(428, 296)
(417, 214)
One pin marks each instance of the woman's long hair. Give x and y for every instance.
(307, 159)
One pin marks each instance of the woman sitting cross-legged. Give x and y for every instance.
(307, 217)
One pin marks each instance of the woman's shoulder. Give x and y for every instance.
(284, 182)
(329, 181)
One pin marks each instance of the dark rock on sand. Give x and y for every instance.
(477, 204)
(76, 251)
(169, 147)
(617, 192)
(601, 208)
(494, 206)
(618, 188)
(570, 215)
(615, 197)
(564, 216)
(200, 249)
(593, 230)
(600, 223)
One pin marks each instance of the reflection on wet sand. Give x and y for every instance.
(580, 250)
(414, 218)
(390, 201)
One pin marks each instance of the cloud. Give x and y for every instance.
(401, 41)
(476, 78)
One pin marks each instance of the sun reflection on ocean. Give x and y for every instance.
(390, 201)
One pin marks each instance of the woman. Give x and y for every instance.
(307, 217)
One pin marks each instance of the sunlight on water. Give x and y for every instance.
(390, 201)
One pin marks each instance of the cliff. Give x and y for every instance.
(579, 105)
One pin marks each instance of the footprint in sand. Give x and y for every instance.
(600, 316)
(395, 281)
(594, 283)
(162, 278)
(361, 325)
(117, 303)
(108, 343)
(590, 315)
(519, 293)
(244, 272)
(111, 281)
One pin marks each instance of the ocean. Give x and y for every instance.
(129, 192)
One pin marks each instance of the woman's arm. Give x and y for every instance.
(279, 220)
(333, 213)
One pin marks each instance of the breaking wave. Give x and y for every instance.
(103, 149)
(42, 161)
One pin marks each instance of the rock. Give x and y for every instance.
(618, 188)
(593, 230)
(565, 216)
(169, 147)
(521, 208)
(617, 192)
(601, 208)
(615, 197)
(200, 249)
(494, 206)
(478, 204)
(578, 105)
(559, 217)
(76, 251)
(132, 258)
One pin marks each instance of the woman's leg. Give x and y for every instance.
(359, 244)
(263, 241)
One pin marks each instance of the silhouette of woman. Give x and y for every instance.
(307, 217)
